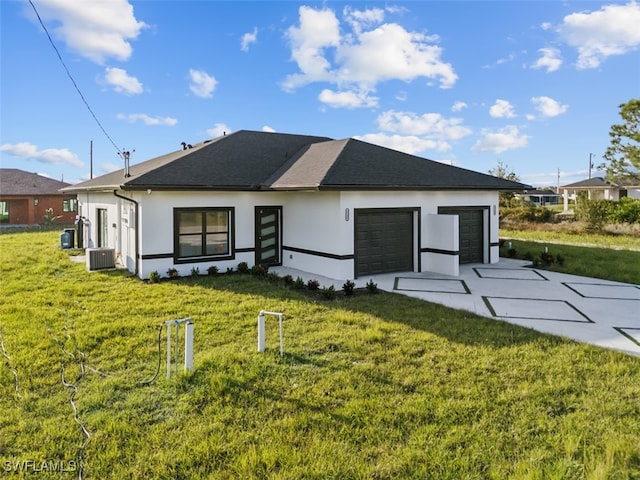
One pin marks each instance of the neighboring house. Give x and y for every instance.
(540, 197)
(598, 188)
(25, 198)
(337, 208)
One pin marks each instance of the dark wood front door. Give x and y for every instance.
(268, 235)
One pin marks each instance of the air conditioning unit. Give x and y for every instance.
(100, 258)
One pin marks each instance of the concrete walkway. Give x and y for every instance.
(584, 309)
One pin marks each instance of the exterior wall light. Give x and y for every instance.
(346, 214)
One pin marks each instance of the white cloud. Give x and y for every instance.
(414, 134)
(410, 144)
(248, 39)
(546, 26)
(147, 120)
(371, 53)
(319, 29)
(269, 129)
(458, 106)
(391, 53)
(359, 19)
(502, 109)
(202, 84)
(218, 130)
(122, 82)
(548, 107)
(432, 125)
(347, 99)
(550, 58)
(29, 151)
(612, 30)
(402, 96)
(508, 138)
(96, 30)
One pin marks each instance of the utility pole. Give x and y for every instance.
(590, 164)
(558, 188)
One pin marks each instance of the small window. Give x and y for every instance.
(69, 205)
(202, 234)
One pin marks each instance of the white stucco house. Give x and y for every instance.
(598, 188)
(342, 209)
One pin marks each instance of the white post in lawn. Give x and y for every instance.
(262, 332)
(188, 345)
(172, 352)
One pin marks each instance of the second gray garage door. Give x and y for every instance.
(471, 232)
(383, 241)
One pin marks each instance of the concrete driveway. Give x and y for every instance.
(584, 309)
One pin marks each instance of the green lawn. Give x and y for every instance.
(616, 242)
(376, 386)
(605, 263)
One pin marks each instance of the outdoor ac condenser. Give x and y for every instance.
(99, 258)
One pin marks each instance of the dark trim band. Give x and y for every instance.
(318, 254)
(439, 251)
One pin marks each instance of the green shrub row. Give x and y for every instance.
(595, 213)
(262, 271)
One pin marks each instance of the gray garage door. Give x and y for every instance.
(471, 242)
(383, 242)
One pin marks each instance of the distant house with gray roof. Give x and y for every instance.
(598, 188)
(338, 208)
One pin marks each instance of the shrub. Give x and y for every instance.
(273, 277)
(172, 273)
(313, 284)
(212, 270)
(526, 212)
(299, 283)
(288, 280)
(243, 267)
(229, 269)
(372, 287)
(546, 259)
(259, 270)
(329, 293)
(511, 253)
(627, 210)
(195, 271)
(593, 212)
(154, 277)
(348, 287)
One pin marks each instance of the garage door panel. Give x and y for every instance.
(471, 231)
(384, 242)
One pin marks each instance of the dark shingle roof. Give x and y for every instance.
(595, 182)
(248, 160)
(18, 182)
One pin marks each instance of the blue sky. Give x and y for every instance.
(535, 85)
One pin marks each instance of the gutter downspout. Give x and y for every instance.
(137, 242)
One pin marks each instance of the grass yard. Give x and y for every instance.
(376, 386)
(537, 233)
(607, 263)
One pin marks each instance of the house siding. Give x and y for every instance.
(318, 227)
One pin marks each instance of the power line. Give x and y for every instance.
(72, 79)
